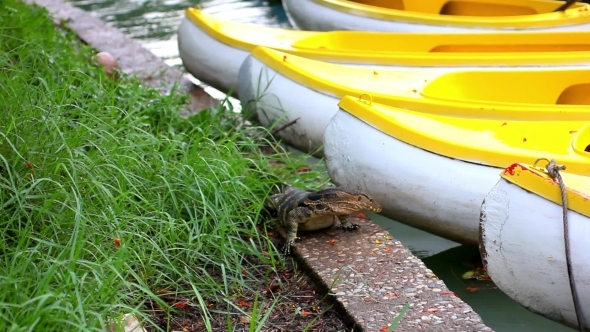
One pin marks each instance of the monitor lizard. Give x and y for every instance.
(306, 210)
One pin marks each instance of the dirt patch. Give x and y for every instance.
(301, 306)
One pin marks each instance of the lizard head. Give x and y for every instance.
(366, 202)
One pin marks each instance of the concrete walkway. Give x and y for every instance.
(372, 276)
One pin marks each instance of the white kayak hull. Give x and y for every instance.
(278, 99)
(208, 59)
(522, 245)
(425, 190)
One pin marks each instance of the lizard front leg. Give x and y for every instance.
(345, 223)
(291, 226)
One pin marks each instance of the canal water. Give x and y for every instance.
(154, 24)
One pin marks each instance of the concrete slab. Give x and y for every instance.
(371, 276)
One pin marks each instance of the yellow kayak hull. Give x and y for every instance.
(404, 49)
(435, 15)
(284, 87)
(212, 49)
(535, 179)
(493, 142)
(522, 93)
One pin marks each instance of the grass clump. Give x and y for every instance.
(108, 197)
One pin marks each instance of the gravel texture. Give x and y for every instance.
(372, 276)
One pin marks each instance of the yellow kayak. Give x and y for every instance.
(493, 142)
(436, 15)
(284, 87)
(432, 171)
(535, 179)
(213, 49)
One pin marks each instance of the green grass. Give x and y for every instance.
(85, 160)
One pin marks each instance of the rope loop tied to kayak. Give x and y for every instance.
(369, 101)
(553, 170)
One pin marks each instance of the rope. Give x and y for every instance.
(553, 171)
(566, 5)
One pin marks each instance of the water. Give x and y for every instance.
(154, 23)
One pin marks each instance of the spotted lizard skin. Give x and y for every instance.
(306, 210)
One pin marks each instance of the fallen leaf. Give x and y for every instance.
(306, 312)
(391, 295)
(332, 242)
(244, 304)
(272, 288)
(472, 289)
(244, 272)
(449, 293)
(163, 291)
(31, 167)
(303, 169)
(117, 242)
(384, 329)
(378, 241)
(367, 299)
(287, 272)
(388, 249)
(388, 237)
(478, 274)
(181, 305)
(430, 310)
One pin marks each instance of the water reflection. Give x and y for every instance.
(496, 309)
(154, 22)
(449, 260)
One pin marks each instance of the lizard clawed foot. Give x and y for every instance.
(286, 250)
(350, 227)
